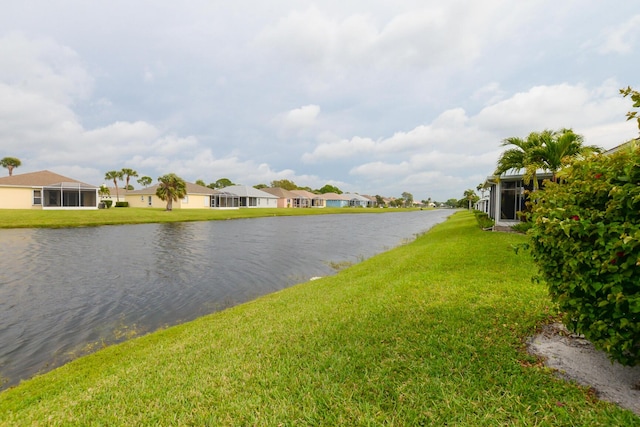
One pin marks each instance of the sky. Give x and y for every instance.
(374, 97)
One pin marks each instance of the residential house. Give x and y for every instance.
(310, 199)
(197, 197)
(507, 197)
(249, 197)
(333, 200)
(114, 196)
(46, 190)
(373, 201)
(358, 201)
(286, 198)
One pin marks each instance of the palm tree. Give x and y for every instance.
(547, 150)
(563, 147)
(470, 195)
(10, 163)
(171, 188)
(128, 173)
(521, 156)
(115, 176)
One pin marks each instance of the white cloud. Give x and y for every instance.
(43, 67)
(298, 120)
(376, 97)
(622, 38)
(419, 37)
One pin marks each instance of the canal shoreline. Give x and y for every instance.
(431, 332)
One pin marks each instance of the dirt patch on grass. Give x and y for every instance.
(575, 358)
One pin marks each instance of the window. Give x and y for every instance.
(37, 197)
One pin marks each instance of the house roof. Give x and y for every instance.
(40, 179)
(621, 146)
(281, 193)
(334, 196)
(191, 189)
(516, 177)
(305, 193)
(353, 196)
(246, 191)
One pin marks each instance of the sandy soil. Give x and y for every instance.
(575, 358)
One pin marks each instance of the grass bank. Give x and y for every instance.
(34, 218)
(430, 333)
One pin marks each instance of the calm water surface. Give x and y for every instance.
(63, 291)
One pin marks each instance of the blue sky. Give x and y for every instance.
(375, 97)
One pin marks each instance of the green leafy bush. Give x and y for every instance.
(586, 243)
(122, 204)
(483, 219)
(522, 227)
(108, 203)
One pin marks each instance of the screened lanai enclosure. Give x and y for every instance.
(69, 195)
(508, 197)
(224, 200)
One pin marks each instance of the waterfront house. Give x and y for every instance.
(333, 200)
(312, 200)
(114, 196)
(286, 198)
(46, 190)
(507, 197)
(197, 197)
(249, 197)
(358, 201)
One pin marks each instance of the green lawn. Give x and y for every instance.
(32, 218)
(430, 333)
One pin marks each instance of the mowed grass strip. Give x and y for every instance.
(430, 333)
(38, 218)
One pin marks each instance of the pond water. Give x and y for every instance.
(65, 292)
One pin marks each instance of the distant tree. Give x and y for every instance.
(398, 203)
(114, 176)
(471, 197)
(306, 189)
(380, 200)
(171, 188)
(145, 181)
(284, 183)
(408, 199)
(221, 183)
(260, 186)
(328, 188)
(200, 182)
(452, 203)
(128, 173)
(10, 163)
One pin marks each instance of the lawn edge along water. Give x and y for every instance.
(429, 333)
(38, 218)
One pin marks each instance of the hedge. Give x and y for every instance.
(585, 240)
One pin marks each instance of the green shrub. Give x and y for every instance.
(108, 203)
(522, 227)
(122, 204)
(483, 219)
(586, 243)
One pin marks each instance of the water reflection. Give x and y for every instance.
(63, 290)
